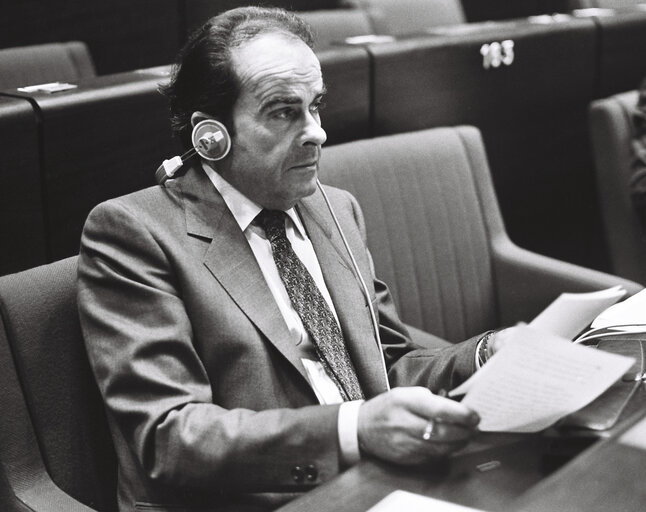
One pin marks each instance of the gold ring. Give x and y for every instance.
(428, 430)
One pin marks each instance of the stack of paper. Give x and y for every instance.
(628, 316)
(632, 311)
(570, 313)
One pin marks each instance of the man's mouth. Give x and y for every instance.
(306, 165)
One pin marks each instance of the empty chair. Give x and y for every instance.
(399, 17)
(534, 127)
(602, 4)
(611, 131)
(103, 139)
(38, 64)
(22, 226)
(55, 448)
(621, 52)
(437, 236)
(332, 26)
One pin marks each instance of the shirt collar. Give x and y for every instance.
(244, 210)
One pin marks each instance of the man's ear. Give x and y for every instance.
(209, 137)
(198, 116)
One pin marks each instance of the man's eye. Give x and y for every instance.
(285, 113)
(317, 107)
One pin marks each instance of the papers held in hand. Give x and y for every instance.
(536, 379)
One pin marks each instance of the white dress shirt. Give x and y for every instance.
(244, 211)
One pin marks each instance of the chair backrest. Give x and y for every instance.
(22, 224)
(42, 63)
(602, 4)
(103, 139)
(53, 423)
(611, 131)
(399, 17)
(534, 128)
(429, 225)
(332, 26)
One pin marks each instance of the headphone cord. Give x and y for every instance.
(364, 288)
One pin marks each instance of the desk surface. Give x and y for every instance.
(543, 472)
(609, 476)
(458, 480)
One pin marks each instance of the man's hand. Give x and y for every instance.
(411, 425)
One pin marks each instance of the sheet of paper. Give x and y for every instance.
(570, 313)
(536, 379)
(632, 311)
(404, 501)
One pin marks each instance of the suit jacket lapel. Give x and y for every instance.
(231, 261)
(345, 290)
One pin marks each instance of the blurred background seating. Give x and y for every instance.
(612, 131)
(400, 17)
(56, 452)
(38, 64)
(67, 151)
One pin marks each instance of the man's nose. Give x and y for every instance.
(313, 133)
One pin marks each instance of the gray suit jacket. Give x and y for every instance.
(208, 402)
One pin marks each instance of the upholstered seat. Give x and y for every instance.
(437, 237)
(602, 4)
(43, 63)
(611, 131)
(400, 17)
(55, 448)
(333, 26)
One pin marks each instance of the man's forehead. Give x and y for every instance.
(274, 65)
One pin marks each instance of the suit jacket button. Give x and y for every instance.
(298, 474)
(311, 473)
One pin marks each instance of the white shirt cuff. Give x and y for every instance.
(347, 428)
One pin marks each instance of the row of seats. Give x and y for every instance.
(453, 277)
(76, 148)
(37, 64)
(124, 35)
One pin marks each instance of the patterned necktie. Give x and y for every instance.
(310, 305)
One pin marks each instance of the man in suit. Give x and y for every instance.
(223, 317)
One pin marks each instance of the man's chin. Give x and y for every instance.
(307, 189)
(304, 190)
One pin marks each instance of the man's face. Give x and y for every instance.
(277, 129)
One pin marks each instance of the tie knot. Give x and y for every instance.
(273, 222)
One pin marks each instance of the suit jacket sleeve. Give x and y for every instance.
(156, 389)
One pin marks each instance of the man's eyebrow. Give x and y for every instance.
(322, 93)
(288, 100)
(279, 100)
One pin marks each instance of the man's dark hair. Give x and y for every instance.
(203, 77)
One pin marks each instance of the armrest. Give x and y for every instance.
(40, 494)
(526, 282)
(25, 484)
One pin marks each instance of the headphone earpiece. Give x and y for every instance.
(211, 140)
